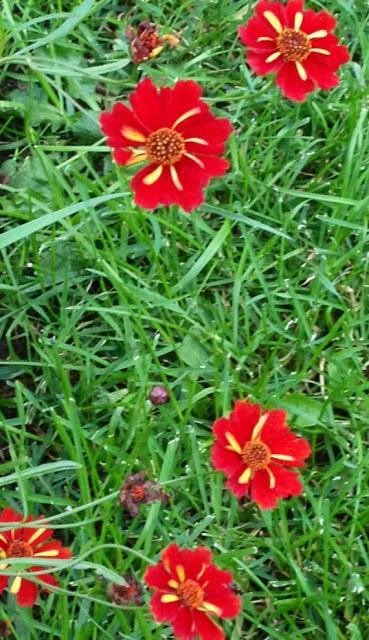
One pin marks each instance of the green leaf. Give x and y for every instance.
(41, 470)
(308, 410)
(76, 16)
(26, 229)
(210, 251)
(2, 38)
(193, 353)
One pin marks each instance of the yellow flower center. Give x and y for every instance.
(19, 549)
(165, 146)
(256, 455)
(294, 46)
(190, 594)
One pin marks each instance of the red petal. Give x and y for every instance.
(317, 21)
(63, 552)
(48, 578)
(183, 625)
(3, 583)
(156, 577)
(252, 31)
(291, 84)
(287, 484)
(147, 106)
(163, 611)
(207, 629)
(277, 8)
(215, 577)
(261, 493)
(192, 561)
(257, 62)
(215, 131)
(121, 156)
(184, 97)
(27, 594)
(239, 490)
(293, 7)
(225, 460)
(287, 443)
(192, 178)
(113, 122)
(243, 418)
(228, 602)
(321, 66)
(8, 515)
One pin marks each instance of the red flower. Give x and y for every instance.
(295, 44)
(174, 132)
(252, 448)
(188, 590)
(27, 543)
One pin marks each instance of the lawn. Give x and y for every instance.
(260, 293)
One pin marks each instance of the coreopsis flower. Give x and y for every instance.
(296, 44)
(125, 595)
(255, 450)
(174, 133)
(146, 42)
(136, 490)
(189, 591)
(24, 542)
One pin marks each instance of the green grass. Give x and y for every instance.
(261, 293)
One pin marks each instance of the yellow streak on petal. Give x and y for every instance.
(153, 176)
(301, 71)
(133, 134)
(212, 608)
(245, 476)
(36, 535)
(282, 456)
(195, 159)
(271, 478)
(197, 140)
(273, 57)
(184, 116)
(175, 178)
(52, 553)
(17, 583)
(155, 52)
(235, 446)
(273, 20)
(166, 565)
(259, 425)
(322, 33)
(299, 18)
(203, 568)
(324, 52)
(173, 584)
(2, 553)
(169, 597)
(136, 158)
(180, 573)
(2, 537)
(265, 39)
